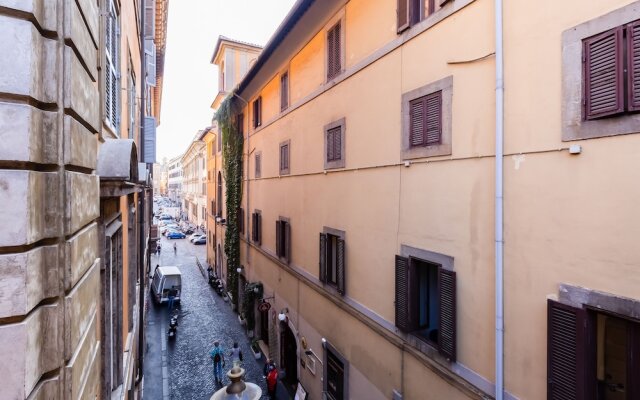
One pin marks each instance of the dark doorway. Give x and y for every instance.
(288, 355)
(264, 326)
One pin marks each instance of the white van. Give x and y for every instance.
(166, 279)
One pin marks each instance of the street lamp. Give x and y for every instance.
(283, 314)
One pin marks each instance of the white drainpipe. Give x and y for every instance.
(499, 225)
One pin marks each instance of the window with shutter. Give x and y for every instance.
(284, 91)
(240, 124)
(565, 351)
(286, 234)
(259, 228)
(633, 65)
(257, 112)
(603, 69)
(425, 118)
(403, 15)
(402, 293)
(241, 220)
(258, 165)
(447, 323)
(334, 144)
(279, 251)
(332, 259)
(334, 51)
(285, 157)
(112, 67)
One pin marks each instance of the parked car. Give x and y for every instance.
(175, 235)
(201, 240)
(198, 236)
(194, 235)
(187, 230)
(166, 279)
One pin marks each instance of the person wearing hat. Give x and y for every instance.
(217, 355)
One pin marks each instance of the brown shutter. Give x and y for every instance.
(403, 15)
(402, 293)
(259, 229)
(633, 60)
(340, 266)
(284, 91)
(287, 241)
(279, 238)
(447, 331)
(338, 49)
(603, 81)
(323, 258)
(253, 227)
(416, 122)
(565, 351)
(433, 119)
(330, 52)
(330, 145)
(337, 142)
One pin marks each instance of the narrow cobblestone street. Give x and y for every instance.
(203, 318)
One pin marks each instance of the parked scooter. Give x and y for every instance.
(173, 327)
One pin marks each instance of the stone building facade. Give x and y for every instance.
(194, 181)
(440, 198)
(71, 137)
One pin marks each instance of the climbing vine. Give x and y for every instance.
(232, 144)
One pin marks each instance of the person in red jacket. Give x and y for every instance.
(272, 381)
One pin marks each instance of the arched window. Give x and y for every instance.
(219, 195)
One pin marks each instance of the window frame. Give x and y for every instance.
(327, 267)
(257, 165)
(284, 170)
(256, 227)
(329, 349)
(574, 125)
(336, 163)
(338, 19)
(443, 148)
(285, 97)
(257, 112)
(283, 239)
(112, 67)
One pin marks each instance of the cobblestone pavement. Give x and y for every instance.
(203, 318)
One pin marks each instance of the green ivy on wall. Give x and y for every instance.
(232, 145)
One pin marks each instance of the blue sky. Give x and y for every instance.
(190, 80)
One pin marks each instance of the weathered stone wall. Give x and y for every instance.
(49, 266)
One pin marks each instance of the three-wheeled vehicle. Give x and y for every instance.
(166, 281)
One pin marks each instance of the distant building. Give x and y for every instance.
(194, 181)
(174, 179)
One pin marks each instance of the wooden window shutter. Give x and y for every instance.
(334, 51)
(258, 166)
(259, 218)
(433, 119)
(284, 91)
(286, 250)
(279, 238)
(403, 15)
(416, 123)
(447, 331)
(565, 351)
(603, 79)
(253, 227)
(340, 266)
(323, 257)
(633, 67)
(402, 294)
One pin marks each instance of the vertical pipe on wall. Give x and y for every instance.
(143, 248)
(499, 226)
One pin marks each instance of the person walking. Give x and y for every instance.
(217, 356)
(175, 248)
(272, 381)
(236, 354)
(158, 248)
